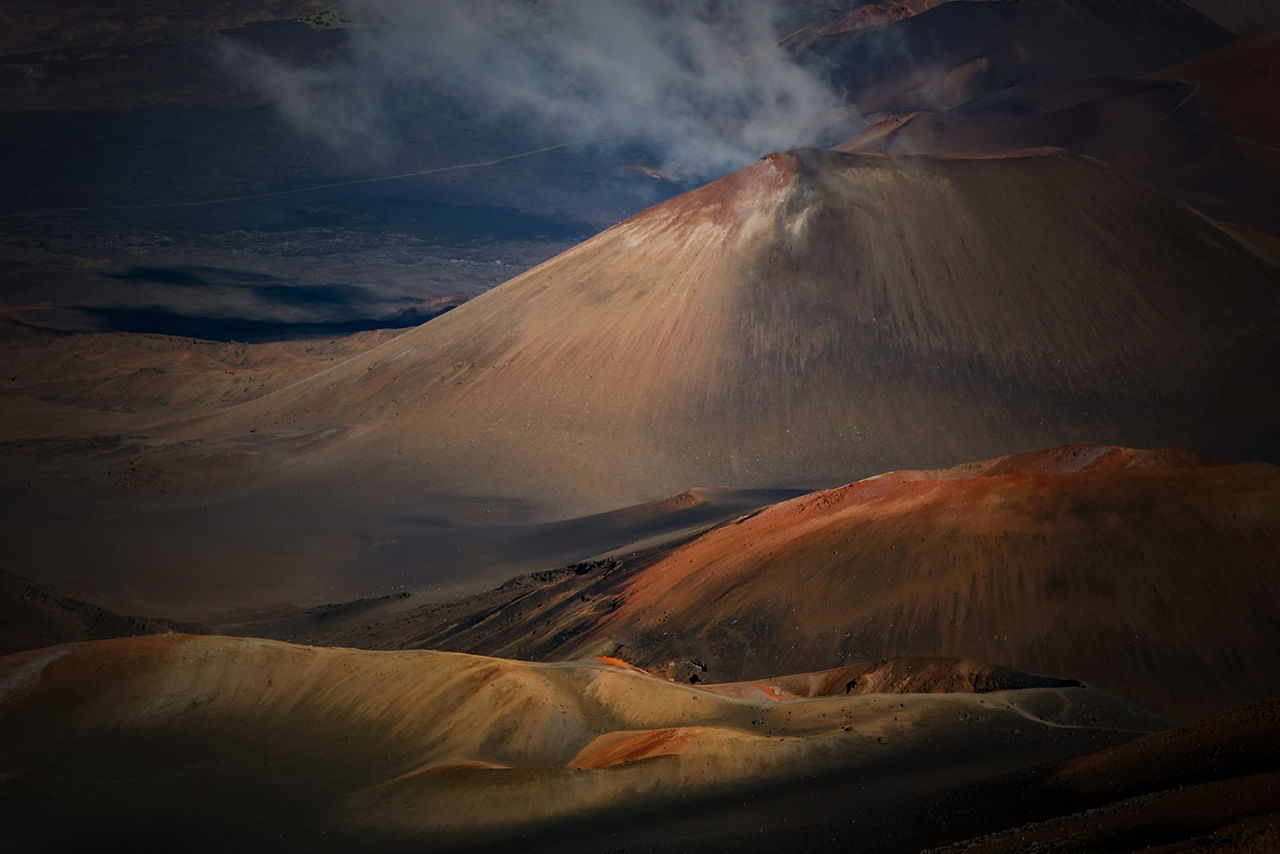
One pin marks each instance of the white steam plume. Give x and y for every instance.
(704, 82)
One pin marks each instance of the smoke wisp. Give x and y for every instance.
(705, 84)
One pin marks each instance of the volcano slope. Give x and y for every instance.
(218, 744)
(830, 312)
(1150, 574)
(812, 317)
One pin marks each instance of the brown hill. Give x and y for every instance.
(1142, 572)
(814, 315)
(227, 744)
(1135, 577)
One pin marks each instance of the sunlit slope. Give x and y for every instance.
(230, 743)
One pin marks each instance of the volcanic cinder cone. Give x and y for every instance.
(813, 317)
(818, 314)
